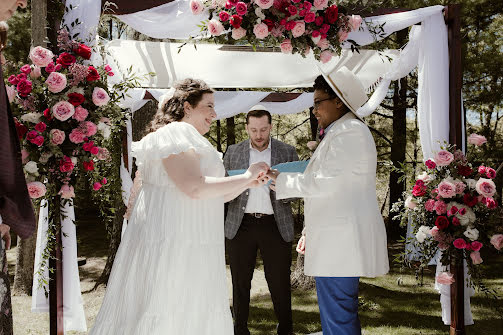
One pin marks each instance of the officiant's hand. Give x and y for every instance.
(273, 174)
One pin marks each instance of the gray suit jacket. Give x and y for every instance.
(238, 157)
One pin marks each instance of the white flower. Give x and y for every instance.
(31, 117)
(471, 183)
(74, 160)
(31, 167)
(467, 218)
(105, 129)
(422, 233)
(259, 13)
(471, 233)
(425, 177)
(410, 202)
(221, 3)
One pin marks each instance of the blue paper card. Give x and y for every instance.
(298, 166)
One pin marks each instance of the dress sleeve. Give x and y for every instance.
(172, 139)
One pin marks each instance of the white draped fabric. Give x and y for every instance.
(73, 305)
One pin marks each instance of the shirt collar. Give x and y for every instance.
(268, 147)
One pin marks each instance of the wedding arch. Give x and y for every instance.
(434, 48)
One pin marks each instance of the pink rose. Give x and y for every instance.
(440, 207)
(326, 56)
(444, 158)
(497, 241)
(11, 92)
(196, 6)
(26, 69)
(476, 139)
(323, 44)
(264, 4)
(355, 21)
(460, 187)
(24, 156)
(67, 191)
(56, 82)
(36, 189)
(57, 136)
(36, 73)
(299, 29)
(97, 186)
(482, 169)
(238, 33)
(490, 173)
(277, 31)
(41, 56)
(476, 245)
(475, 256)
(445, 278)
(90, 127)
(491, 203)
(63, 110)
(261, 31)
(460, 243)
(103, 154)
(485, 187)
(241, 8)
(446, 189)
(77, 136)
(320, 4)
(80, 113)
(215, 27)
(100, 97)
(429, 205)
(286, 46)
(310, 17)
(430, 164)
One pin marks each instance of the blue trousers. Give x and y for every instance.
(338, 303)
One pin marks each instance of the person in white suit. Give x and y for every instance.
(345, 236)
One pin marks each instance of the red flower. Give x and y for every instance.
(104, 181)
(269, 24)
(418, 191)
(482, 169)
(95, 150)
(40, 127)
(65, 59)
(47, 114)
(441, 222)
(290, 25)
(469, 200)
(93, 74)
(318, 21)
(88, 146)
(76, 99)
(20, 128)
(315, 33)
(88, 166)
(13, 80)
(224, 16)
(464, 170)
(292, 10)
(96, 186)
(39, 140)
(430, 164)
(66, 164)
(490, 173)
(455, 221)
(236, 21)
(24, 88)
(460, 243)
(31, 135)
(476, 245)
(491, 203)
(324, 29)
(331, 14)
(83, 51)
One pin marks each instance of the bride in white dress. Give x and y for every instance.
(169, 273)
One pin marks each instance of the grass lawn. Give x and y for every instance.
(386, 308)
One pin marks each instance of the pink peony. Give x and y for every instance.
(77, 136)
(440, 207)
(215, 27)
(56, 82)
(320, 4)
(241, 8)
(57, 136)
(475, 256)
(445, 278)
(100, 97)
(286, 46)
(429, 205)
(497, 241)
(323, 44)
(36, 189)
(103, 154)
(477, 140)
(299, 29)
(264, 4)
(97, 186)
(80, 113)
(261, 31)
(460, 187)
(491, 203)
(41, 56)
(90, 127)
(11, 92)
(63, 110)
(238, 33)
(430, 164)
(490, 173)
(196, 6)
(476, 245)
(355, 21)
(460, 243)
(444, 158)
(326, 56)
(67, 191)
(485, 187)
(446, 189)
(310, 17)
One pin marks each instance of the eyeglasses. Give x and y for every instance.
(317, 104)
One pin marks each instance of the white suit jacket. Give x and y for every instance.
(345, 233)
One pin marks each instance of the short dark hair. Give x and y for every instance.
(258, 113)
(321, 84)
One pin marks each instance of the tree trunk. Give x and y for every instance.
(219, 137)
(299, 279)
(231, 136)
(398, 146)
(38, 23)
(25, 262)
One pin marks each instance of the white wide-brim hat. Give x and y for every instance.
(348, 87)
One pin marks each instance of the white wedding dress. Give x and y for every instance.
(169, 274)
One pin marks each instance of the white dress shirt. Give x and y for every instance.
(259, 199)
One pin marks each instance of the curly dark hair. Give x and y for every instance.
(190, 90)
(321, 84)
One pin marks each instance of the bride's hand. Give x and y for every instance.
(257, 170)
(262, 180)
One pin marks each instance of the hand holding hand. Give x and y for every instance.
(257, 170)
(4, 231)
(260, 181)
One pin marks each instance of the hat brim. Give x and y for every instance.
(338, 93)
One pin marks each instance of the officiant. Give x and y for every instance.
(257, 221)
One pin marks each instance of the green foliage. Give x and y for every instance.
(19, 36)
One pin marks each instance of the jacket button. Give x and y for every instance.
(246, 193)
(244, 208)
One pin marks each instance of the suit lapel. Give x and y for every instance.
(245, 154)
